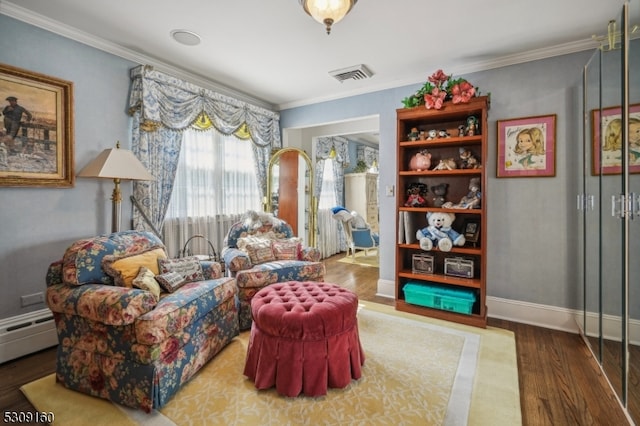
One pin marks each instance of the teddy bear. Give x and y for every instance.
(439, 232)
(416, 193)
(439, 191)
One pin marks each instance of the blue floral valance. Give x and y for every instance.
(176, 104)
(338, 144)
(369, 155)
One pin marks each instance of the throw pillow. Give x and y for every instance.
(358, 221)
(258, 249)
(125, 269)
(287, 249)
(171, 281)
(146, 281)
(188, 267)
(253, 239)
(82, 261)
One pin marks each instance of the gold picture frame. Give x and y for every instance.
(36, 137)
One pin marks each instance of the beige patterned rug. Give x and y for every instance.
(418, 371)
(360, 259)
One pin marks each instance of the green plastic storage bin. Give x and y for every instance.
(440, 297)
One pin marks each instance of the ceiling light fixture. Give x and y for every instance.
(188, 38)
(328, 12)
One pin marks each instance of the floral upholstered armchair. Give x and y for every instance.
(134, 326)
(261, 250)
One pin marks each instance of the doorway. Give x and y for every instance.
(361, 132)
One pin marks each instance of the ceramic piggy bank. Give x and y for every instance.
(420, 161)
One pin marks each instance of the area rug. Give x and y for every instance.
(418, 371)
(362, 260)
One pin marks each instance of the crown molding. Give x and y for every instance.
(56, 27)
(19, 13)
(514, 59)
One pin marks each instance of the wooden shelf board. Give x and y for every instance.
(473, 251)
(433, 173)
(443, 279)
(473, 319)
(453, 140)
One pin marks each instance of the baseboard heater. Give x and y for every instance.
(24, 334)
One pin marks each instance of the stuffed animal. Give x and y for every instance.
(254, 220)
(416, 195)
(439, 191)
(471, 200)
(446, 164)
(439, 232)
(473, 126)
(443, 134)
(468, 160)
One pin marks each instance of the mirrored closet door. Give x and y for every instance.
(610, 206)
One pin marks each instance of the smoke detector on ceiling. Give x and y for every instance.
(355, 72)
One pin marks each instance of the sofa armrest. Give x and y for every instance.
(310, 254)
(211, 269)
(100, 303)
(236, 259)
(54, 273)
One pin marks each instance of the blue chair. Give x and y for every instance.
(357, 232)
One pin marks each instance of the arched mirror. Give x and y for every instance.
(290, 192)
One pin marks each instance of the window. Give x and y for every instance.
(215, 176)
(328, 192)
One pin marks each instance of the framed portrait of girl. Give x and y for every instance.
(526, 147)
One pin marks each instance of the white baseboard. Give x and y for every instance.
(24, 334)
(545, 316)
(386, 288)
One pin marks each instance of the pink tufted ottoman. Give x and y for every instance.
(304, 337)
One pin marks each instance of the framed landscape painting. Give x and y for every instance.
(527, 147)
(606, 128)
(36, 138)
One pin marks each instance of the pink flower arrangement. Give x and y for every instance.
(462, 92)
(435, 99)
(438, 79)
(439, 88)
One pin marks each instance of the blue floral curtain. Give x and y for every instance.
(336, 148)
(163, 106)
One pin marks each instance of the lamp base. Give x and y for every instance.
(116, 206)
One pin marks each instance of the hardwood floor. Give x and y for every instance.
(560, 383)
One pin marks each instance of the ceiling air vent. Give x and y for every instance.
(356, 72)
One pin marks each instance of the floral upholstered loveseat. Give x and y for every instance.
(261, 250)
(136, 346)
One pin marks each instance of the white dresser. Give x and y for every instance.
(361, 195)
